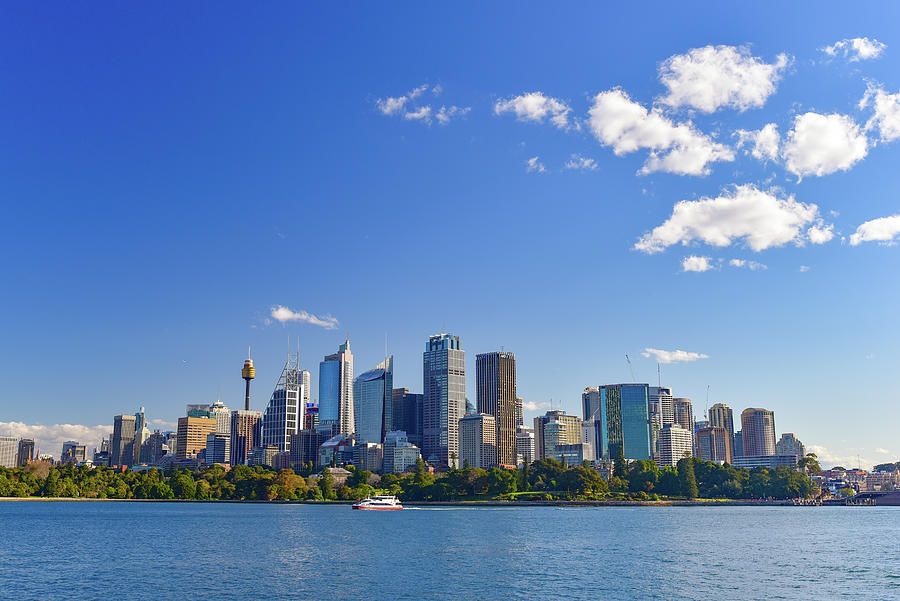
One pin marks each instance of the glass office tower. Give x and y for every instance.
(627, 422)
(373, 402)
(444, 390)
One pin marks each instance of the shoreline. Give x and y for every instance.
(470, 504)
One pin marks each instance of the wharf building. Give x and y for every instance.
(478, 440)
(758, 432)
(282, 415)
(373, 400)
(245, 434)
(444, 390)
(336, 391)
(495, 377)
(675, 443)
(408, 414)
(399, 453)
(714, 444)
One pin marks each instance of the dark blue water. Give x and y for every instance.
(248, 551)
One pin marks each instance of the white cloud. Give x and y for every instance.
(627, 126)
(423, 113)
(820, 233)
(803, 268)
(751, 265)
(695, 263)
(535, 406)
(283, 315)
(49, 438)
(446, 113)
(762, 219)
(855, 49)
(675, 356)
(887, 112)
(883, 229)
(713, 77)
(576, 161)
(394, 105)
(534, 106)
(763, 142)
(822, 144)
(828, 459)
(534, 165)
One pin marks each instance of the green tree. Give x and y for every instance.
(620, 469)
(810, 464)
(326, 485)
(687, 479)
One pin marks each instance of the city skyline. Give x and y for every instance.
(168, 212)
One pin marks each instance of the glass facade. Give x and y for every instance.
(373, 398)
(329, 391)
(626, 422)
(444, 384)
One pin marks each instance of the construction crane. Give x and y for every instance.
(630, 368)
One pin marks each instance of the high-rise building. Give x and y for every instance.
(552, 429)
(737, 448)
(336, 390)
(373, 400)
(155, 448)
(675, 443)
(245, 434)
(223, 417)
(626, 422)
(714, 444)
(524, 445)
(495, 377)
(399, 453)
(283, 413)
(408, 414)
(444, 386)
(368, 456)
(218, 448)
(311, 416)
(520, 416)
(199, 410)
(306, 382)
(305, 448)
(72, 452)
(121, 451)
(789, 444)
(661, 410)
(478, 440)
(590, 404)
(721, 416)
(758, 432)
(141, 434)
(684, 415)
(25, 452)
(192, 433)
(9, 447)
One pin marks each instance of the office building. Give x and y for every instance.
(245, 434)
(305, 448)
(73, 452)
(552, 429)
(199, 410)
(408, 411)
(218, 448)
(282, 415)
(368, 456)
(495, 378)
(9, 448)
(478, 440)
(789, 444)
(223, 417)
(524, 445)
(336, 390)
(373, 399)
(25, 452)
(444, 389)
(141, 434)
(311, 416)
(766, 461)
(720, 415)
(737, 449)
(399, 453)
(192, 433)
(714, 444)
(684, 416)
(121, 451)
(593, 414)
(625, 421)
(337, 450)
(264, 455)
(675, 443)
(155, 448)
(661, 410)
(573, 454)
(520, 416)
(758, 432)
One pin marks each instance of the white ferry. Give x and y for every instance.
(379, 502)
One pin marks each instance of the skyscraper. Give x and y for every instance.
(714, 444)
(552, 429)
(282, 417)
(495, 377)
(478, 440)
(758, 432)
(399, 453)
(223, 417)
(25, 452)
(661, 410)
(245, 434)
(122, 443)
(336, 390)
(408, 407)
(141, 434)
(218, 447)
(684, 415)
(305, 380)
(192, 433)
(675, 443)
(373, 398)
(9, 446)
(593, 414)
(789, 444)
(627, 421)
(721, 416)
(444, 386)
(520, 417)
(524, 444)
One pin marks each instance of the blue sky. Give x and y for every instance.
(168, 178)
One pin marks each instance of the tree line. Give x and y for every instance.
(546, 479)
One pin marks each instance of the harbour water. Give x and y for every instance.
(73, 550)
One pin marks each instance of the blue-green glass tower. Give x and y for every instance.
(626, 420)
